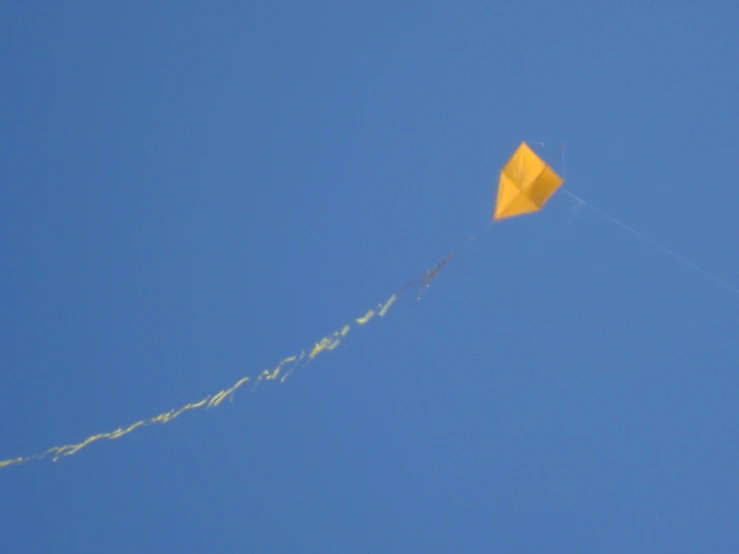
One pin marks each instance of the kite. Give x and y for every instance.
(525, 184)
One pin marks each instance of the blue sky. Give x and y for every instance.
(191, 192)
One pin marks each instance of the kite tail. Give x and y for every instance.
(281, 371)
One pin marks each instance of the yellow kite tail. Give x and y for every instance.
(327, 343)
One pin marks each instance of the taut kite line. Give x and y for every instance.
(525, 184)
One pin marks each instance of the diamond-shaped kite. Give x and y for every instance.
(526, 183)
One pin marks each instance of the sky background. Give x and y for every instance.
(190, 192)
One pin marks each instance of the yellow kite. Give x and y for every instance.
(526, 183)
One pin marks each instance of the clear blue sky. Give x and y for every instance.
(190, 192)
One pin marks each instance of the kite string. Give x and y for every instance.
(654, 243)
